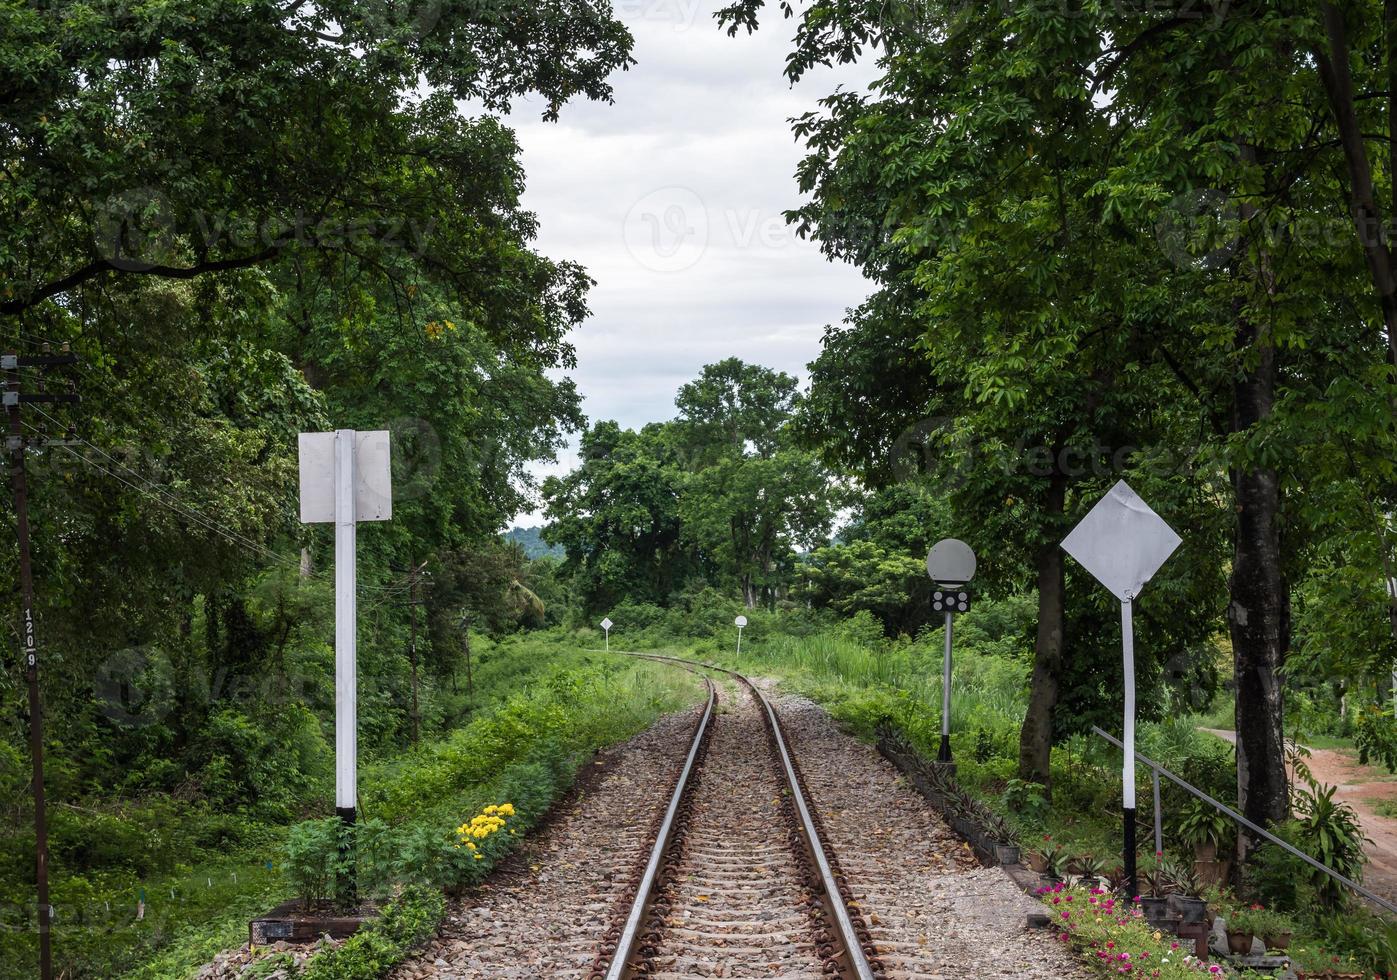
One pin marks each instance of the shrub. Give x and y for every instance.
(1028, 800)
(1277, 878)
(864, 629)
(1359, 939)
(406, 922)
(316, 860)
(1330, 833)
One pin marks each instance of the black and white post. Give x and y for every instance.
(1122, 543)
(345, 478)
(951, 565)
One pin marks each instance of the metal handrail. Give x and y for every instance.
(1237, 817)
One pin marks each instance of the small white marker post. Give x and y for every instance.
(606, 625)
(951, 565)
(345, 479)
(739, 622)
(1122, 542)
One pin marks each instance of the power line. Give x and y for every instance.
(166, 497)
(207, 524)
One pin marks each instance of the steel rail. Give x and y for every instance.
(857, 965)
(625, 945)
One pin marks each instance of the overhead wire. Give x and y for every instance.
(167, 497)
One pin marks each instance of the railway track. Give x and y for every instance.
(738, 881)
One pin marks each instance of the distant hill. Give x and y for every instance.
(531, 540)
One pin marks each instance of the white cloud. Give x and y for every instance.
(673, 199)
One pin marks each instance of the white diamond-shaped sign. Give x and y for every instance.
(606, 624)
(1122, 542)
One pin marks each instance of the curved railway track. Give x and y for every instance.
(738, 881)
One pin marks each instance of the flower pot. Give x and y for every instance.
(1155, 907)
(1279, 940)
(1048, 880)
(1190, 909)
(1207, 853)
(1212, 872)
(1037, 862)
(1239, 942)
(1006, 853)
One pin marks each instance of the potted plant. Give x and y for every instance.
(1316, 963)
(1049, 859)
(1185, 891)
(1242, 926)
(1154, 895)
(1270, 926)
(1007, 842)
(1091, 869)
(1205, 829)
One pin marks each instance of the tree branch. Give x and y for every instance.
(102, 267)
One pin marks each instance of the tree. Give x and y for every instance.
(182, 140)
(617, 517)
(877, 561)
(747, 515)
(1002, 184)
(733, 408)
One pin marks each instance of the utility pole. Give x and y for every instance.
(16, 444)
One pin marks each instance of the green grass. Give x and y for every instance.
(535, 698)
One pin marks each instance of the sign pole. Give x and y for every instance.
(1128, 768)
(346, 477)
(945, 754)
(739, 622)
(1122, 543)
(346, 635)
(951, 565)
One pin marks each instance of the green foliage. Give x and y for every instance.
(1202, 825)
(695, 498)
(1330, 833)
(317, 859)
(1025, 800)
(1276, 878)
(1375, 734)
(1358, 940)
(407, 922)
(1261, 922)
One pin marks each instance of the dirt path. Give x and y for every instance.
(1363, 787)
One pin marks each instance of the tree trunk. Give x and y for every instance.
(1036, 735)
(1332, 60)
(1259, 614)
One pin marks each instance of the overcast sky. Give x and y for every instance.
(673, 199)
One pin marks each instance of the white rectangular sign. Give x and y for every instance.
(373, 486)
